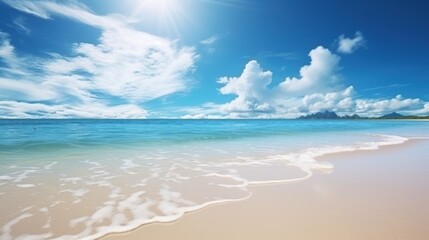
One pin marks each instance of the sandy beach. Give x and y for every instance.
(377, 194)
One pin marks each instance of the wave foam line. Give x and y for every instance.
(158, 219)
(306, 162)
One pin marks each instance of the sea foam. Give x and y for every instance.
(101, 190)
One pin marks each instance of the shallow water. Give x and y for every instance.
(86, 178)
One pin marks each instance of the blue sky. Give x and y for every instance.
(212, 59)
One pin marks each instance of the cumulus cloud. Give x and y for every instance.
(349, 45)
(341, 101)
(319, 75)
(422, 111)
(254, 96)
(398, 103)
(126, 64)
(250, 88)
(318, 88)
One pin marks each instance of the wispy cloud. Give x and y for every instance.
(132, 65)
(12, 64)
(20, 24)
(18, 109)
(26, 90)
(349, 45)
(281, 55)
(44, 9)
(209, 43)
(7, 51)
(384, 87)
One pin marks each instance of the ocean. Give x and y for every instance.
(83, 179)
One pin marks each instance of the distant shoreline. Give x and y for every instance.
(197, 119)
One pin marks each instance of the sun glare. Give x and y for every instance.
(164, 14)
(159, 7)
(170, 17)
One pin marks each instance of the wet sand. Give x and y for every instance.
(380, 194)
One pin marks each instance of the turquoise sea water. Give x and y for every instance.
(71, 179)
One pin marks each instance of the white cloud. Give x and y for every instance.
(210, 41)
(349, 45)
(128, 64)
(202, 116)
(46, 8)
(319, 88)
(341, 101)
(25, 90)
(254, 96)
(252, 84)
(19, 24)
(12, 63)
(16, 109)
(250, 88)
(7, 51)
(281, 55)
(320, 75)
(423, 111)
(398, 103)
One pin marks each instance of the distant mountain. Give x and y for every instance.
(354, 116)
(333, 115)
(393, 115)
(321, 115)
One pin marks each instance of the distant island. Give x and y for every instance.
(333, 115)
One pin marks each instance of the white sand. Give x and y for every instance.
(382, 194)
